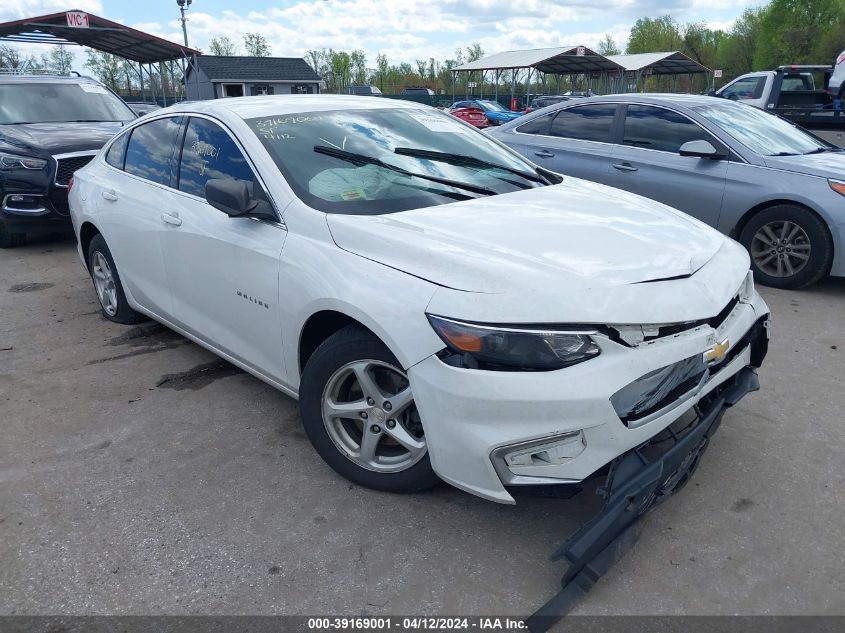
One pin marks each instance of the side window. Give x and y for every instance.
(748, 88)
(660, 129)
(149, 153)
(209, 152)
(586, 123)
(540, 125)
(802, 83)
(117, 152)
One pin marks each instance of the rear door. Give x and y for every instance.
(575, 141)
(224, 272)
(648, 163)
(133, 196)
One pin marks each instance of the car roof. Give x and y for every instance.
(59, 79)
(275, 105)
(688, 100)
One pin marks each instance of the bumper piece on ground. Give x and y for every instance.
(637, 481)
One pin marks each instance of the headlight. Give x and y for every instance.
(497, 347)
(8, 162)
(838, 186)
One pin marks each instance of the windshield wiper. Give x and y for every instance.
(822, 150)
(363, 159)
(464, 160)
(785, 154)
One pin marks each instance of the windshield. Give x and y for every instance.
(492, 105)
(760, 131)
(52, 102)
(369, 162)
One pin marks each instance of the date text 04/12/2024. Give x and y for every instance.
(416, 623)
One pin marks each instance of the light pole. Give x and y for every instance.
(183, 5)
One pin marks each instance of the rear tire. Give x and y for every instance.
(107, 284)
(352, 422)
(790, 246)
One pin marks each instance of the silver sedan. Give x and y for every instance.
(776, 188)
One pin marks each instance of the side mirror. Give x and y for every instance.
(234, 198)
(700, 149)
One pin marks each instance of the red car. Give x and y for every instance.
(473, 116)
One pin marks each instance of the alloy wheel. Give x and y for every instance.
(780, 248)
(104, 283)
(369, 413)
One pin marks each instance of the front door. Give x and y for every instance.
(224, 271)
(647, 162)
(750, 90)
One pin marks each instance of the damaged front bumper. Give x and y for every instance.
(636, 482)
(493, 432)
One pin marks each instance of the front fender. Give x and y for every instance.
(317, 275)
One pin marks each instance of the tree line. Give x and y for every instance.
(341, 69)
(762, 38)
(58, 62)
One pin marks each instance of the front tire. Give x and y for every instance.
(107, 284)
(790, 246)
(359, 413)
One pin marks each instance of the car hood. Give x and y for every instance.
(827, 165)
(574, 235)
(46, 139)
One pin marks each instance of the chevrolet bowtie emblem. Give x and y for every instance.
(717, 353)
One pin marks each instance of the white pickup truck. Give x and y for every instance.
(836, 86)
(791, 92)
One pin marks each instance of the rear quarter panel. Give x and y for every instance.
(83, 202)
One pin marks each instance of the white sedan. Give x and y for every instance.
(441, 307)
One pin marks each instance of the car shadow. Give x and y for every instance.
(830, 286)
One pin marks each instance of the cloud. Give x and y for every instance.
(408, 29)
(20, 9)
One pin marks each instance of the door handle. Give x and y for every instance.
(624, 167)
(110, 195)
(544, 154)
(172, 218)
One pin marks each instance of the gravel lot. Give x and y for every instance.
(140, 475)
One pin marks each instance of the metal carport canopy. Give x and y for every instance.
(667, 63)
(563, 60)
(100, 34)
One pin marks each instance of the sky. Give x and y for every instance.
(404, 30)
